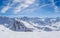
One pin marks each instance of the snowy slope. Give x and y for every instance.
(6, 33)
(25, 24)
(43, 24)
(30, 26)
(4, 29)
(9, 34)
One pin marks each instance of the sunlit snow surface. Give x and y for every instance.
(6, 33)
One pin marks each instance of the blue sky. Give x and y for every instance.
(30, 8)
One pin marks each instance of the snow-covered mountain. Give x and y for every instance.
(27, 24)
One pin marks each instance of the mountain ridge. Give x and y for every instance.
(25, 24)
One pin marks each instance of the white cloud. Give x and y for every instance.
(4, 9)
(24, 5)
(16, 1)
(57, 9)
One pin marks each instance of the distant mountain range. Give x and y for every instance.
(27, 24)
